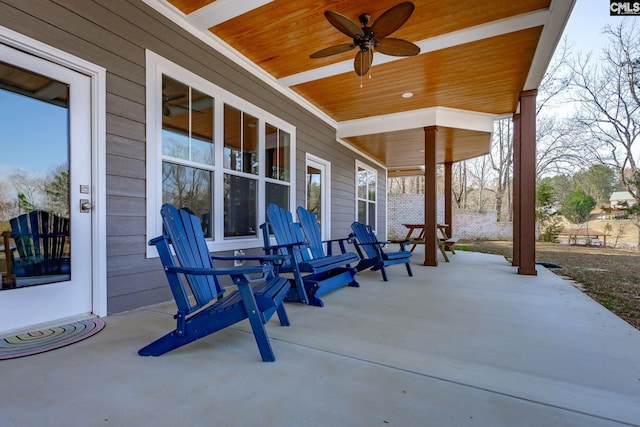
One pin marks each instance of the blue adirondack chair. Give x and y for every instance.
(211, 309)
(320, 248)
(313, 275)
(40, 240)
(372, 253)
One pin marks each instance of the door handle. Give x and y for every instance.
(85, 205)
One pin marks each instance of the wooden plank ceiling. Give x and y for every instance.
(476, 57)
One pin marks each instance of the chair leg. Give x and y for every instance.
(282, 315)
(299, 284)
(408, 264)
(384, 273)
(255, 319)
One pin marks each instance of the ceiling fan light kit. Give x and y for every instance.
(371, 38)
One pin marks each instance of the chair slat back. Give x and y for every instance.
(286, 231)
(364, 234)
(188, 241)
(40, 238)
(311, 229)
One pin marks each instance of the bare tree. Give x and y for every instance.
(608, 93)
(479, 172)
(459, 184)
(561, 146)
(501, 157)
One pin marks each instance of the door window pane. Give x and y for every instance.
(34, 178)
(240, 206)
(314, 191)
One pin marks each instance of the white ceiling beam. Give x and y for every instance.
(222, 10)
(547, 43)
(435, 116)
(455, 38)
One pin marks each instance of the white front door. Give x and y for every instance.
(318, 189)
(45, 166)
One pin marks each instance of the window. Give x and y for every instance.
(188, 149)
(214, 153)
(366, 192)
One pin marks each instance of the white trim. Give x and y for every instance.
(386, 204)
(97, 75)
(434, 116)
(360, 153)
(325, 195)
(548, 41)
(222, 10)
(156, 66)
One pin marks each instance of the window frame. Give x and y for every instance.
(156, 67)
(369, 169)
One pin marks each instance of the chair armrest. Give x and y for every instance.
(341, 244)
(359, 243)
(403, 243)
(262, 258)
(289, 245)
(336, 240)
(235, 271)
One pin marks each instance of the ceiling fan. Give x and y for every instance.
(166, 106)
(369, 38)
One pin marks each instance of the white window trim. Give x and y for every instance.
(156, 66)
(368, 168)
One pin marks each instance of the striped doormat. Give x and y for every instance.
(48, 339)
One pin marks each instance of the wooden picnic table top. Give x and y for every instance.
(582, 232)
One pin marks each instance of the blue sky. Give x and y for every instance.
(33, 135)
(585, 25)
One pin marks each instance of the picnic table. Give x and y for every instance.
(444, 242)
(572, 234)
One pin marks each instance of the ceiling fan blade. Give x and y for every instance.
(332, 50)
(344, 24)
(392, 19)
(397, 47)
(363, 61)
(169, 98)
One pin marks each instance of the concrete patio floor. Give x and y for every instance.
(469, 343)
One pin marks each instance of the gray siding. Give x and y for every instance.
(114, 34)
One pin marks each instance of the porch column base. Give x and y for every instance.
(527, 272)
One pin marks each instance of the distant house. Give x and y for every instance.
(621, 199)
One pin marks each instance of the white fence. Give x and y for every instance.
(409, 208)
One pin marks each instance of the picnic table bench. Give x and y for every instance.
(445, 243)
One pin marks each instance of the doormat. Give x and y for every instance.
(47, 339)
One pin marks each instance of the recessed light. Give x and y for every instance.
(407, 95)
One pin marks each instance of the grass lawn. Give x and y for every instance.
(609, 276)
